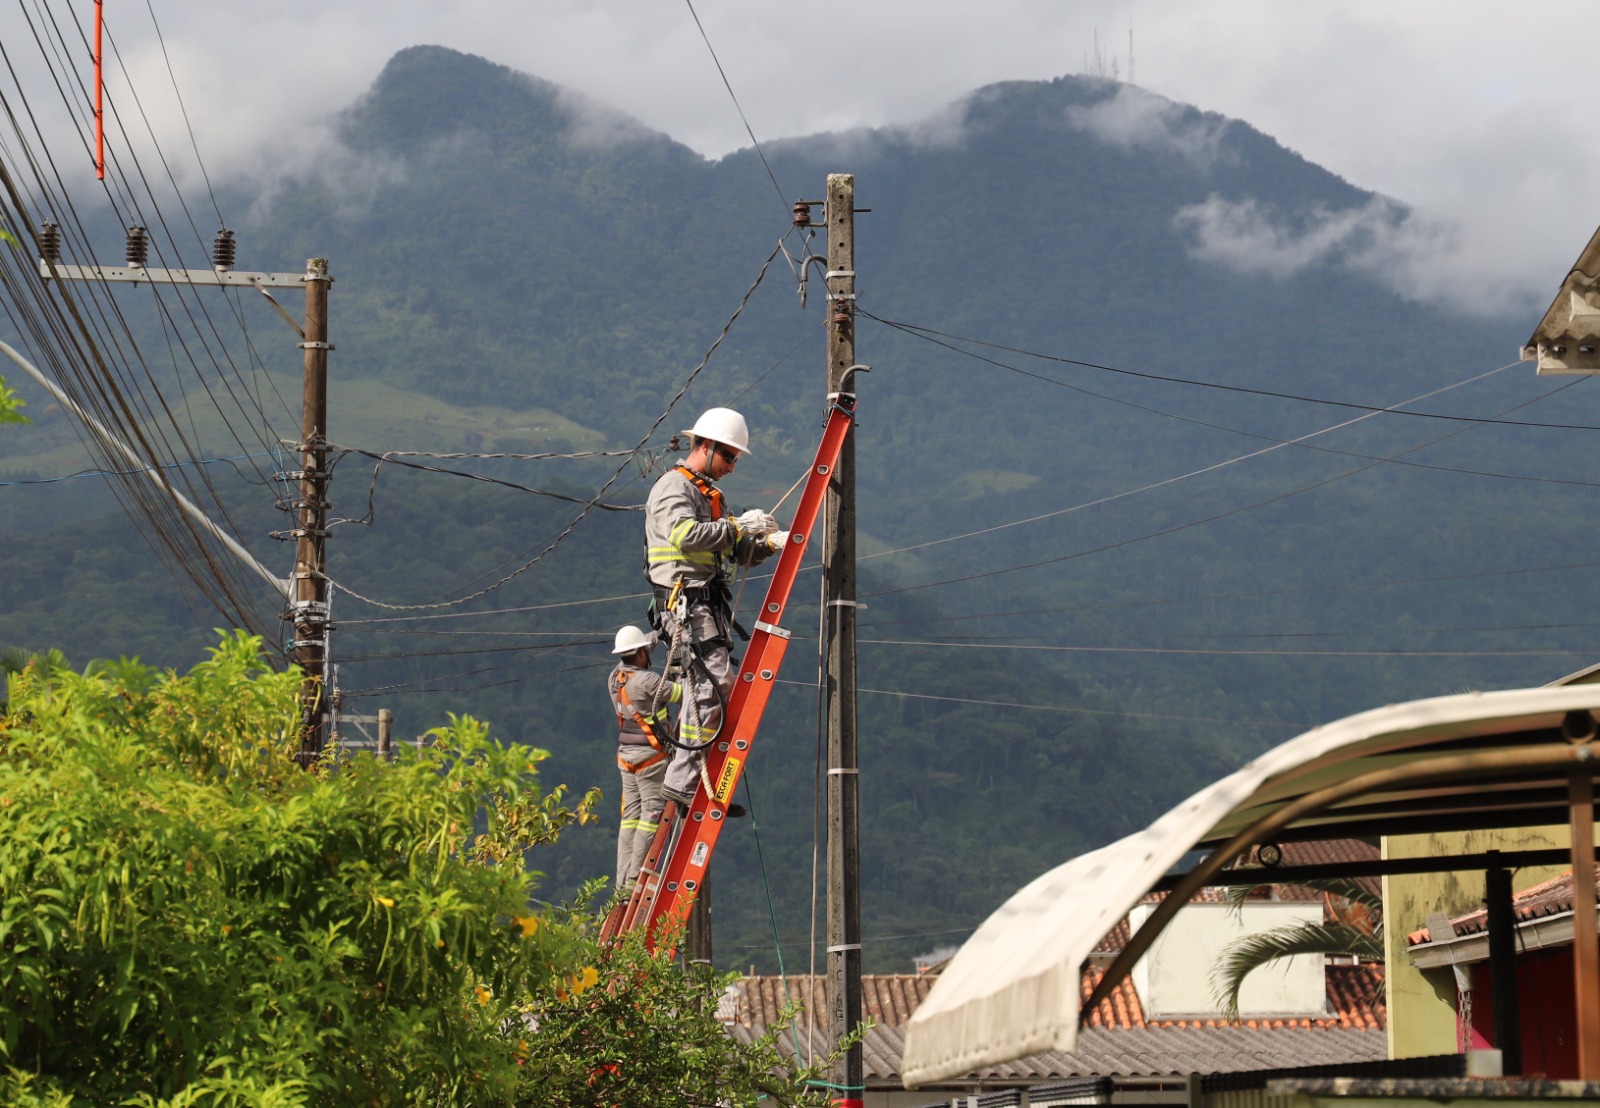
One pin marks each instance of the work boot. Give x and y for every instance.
(681, 799)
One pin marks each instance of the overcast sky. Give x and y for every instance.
(1478, 115)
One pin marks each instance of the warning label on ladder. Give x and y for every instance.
(725, 783)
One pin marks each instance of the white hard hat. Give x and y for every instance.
(630, 638)
(722, 425)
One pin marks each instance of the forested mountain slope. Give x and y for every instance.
(1081, 605)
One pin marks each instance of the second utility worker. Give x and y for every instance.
(690, 543)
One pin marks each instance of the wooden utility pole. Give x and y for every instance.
(309, 605)
(839, 623)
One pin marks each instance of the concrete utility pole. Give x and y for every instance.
(839, 623)
(697, 929)
(307, 589)
(309, 608)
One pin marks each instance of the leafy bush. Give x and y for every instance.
(188, 918)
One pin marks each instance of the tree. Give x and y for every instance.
(189, 918)
(9, 401)
(1355, 930)
(9, 405)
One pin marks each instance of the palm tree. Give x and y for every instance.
(1356, 929)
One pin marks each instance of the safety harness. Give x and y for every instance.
(646, 728)
(706, 488)
(639, 767)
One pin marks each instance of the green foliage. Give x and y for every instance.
(550, 259)
(676, 1050)
(189, 918)
(10, 402)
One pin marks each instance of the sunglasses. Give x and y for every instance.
(728, 455)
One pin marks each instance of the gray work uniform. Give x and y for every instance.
(642, 766)
(685, 540)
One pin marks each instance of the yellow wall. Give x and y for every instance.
(1421, 1010)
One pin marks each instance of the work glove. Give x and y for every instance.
(777, 539)
(756, 522)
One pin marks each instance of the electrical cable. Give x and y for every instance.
(590, 505)
(1212, 597)
(388, 457)
(1224, 514)
(123, 472)
(782, 199)
(1062, 709)
(934, 336)
(964, 645)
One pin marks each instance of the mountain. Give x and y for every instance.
(521, 269)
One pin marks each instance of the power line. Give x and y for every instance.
(782, 199)
(1256, 595)
(1231, 511)
(934, 336)
(1058, 708)
(599, 496)
(1084, 649)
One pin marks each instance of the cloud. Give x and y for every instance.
(592, 123)
(1412, 100)
(1424, 259)
(1134, 119)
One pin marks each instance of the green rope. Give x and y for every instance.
(772, 912)
(838, 1088)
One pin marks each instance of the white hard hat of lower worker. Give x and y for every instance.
(630, 638)
(722, 425)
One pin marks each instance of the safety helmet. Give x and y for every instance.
(722, 425)
(630, 638)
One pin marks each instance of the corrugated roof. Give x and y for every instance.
(1548, 898)
(1571, 314)
(1117, 1040)
(1475, 759)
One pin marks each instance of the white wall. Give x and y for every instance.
(1174, 978)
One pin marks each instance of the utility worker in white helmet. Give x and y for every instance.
(641, 699)
(691, 543)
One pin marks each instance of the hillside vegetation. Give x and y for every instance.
(1080, 606)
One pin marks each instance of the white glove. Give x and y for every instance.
(777, 540)
(756, 522)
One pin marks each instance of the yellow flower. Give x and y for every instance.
(483, 994)
(387, 902)
(586, 979)
(529, 925)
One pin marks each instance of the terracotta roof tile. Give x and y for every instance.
(1548, 898)
(1116, 1041)
(1355, 1000)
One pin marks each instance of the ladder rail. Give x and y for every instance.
(665, 905)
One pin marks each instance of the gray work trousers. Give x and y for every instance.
(641, 809)
(700, 717)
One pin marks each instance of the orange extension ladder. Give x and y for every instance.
(675, 866)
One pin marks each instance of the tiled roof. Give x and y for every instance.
(1355, 1001)
(1322, 852)
(1116, 1041)
(1548, 898)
